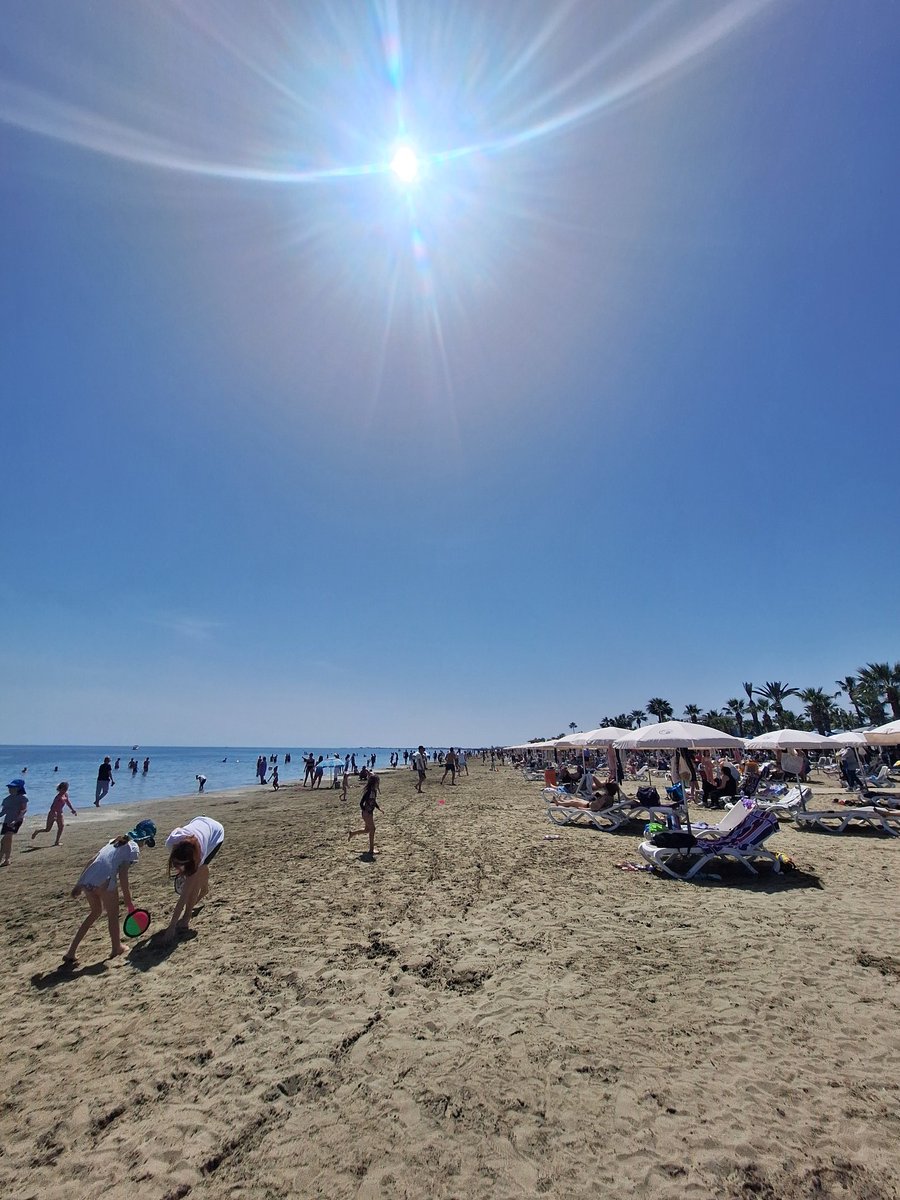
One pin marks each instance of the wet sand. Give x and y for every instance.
(482, 1011)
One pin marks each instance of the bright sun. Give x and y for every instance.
(405, 164)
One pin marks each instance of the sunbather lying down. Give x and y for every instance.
(605, 795)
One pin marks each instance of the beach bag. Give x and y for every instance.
(674, 839)
(647, 795)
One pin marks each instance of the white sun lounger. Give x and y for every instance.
(731, 820)
(607, 819)
(789, 804)
(743, 845)
(837, 820)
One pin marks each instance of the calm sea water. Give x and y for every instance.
(172, 769)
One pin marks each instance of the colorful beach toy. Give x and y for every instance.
(136, 923)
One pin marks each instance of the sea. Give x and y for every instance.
(172, 770)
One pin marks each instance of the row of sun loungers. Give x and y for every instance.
(738, 837)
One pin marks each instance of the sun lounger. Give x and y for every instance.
(743, 844)
(881, 778)
(731, 820)
(787, 805)
(837, 820)
(606, 819)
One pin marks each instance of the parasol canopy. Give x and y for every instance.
(678, 735)
(884, 735)
(790, 739)
(593, 739)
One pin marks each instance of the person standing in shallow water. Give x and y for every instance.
(105, 781)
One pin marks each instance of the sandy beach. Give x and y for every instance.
(483, 1011)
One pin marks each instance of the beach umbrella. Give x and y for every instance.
(790, 739)
(884, 735)
(679, 735)
(593, 739)
(851, 737)
(675, 735)
(535, 745)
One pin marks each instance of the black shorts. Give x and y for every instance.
(421, 776)
(10, 827)
(212, 854)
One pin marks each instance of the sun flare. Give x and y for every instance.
(405, 164)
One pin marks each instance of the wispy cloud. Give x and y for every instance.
(196, 629)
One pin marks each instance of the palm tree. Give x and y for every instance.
(818, 708)
(717, 720)
(776, 693)
(762, 707)
(637, 715)
(735, 709)
(659, 708)
(622, 721)
(751, 705)
(692, 713)
(868, 698)
(886, 679)
(841, 719)
(848, 686)
(573, 725)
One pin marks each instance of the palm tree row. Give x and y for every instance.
(868, 691)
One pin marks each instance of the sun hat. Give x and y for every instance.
(16, 783)
(144, 831)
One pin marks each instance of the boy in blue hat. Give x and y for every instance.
(12, 810)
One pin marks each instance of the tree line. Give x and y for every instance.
(872, 697)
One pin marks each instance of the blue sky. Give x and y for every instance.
(602, 406)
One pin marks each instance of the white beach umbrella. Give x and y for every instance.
(679, 735)
(674, 735)
(790, 739)
(593, 739)
(884, 735)
(850, 737)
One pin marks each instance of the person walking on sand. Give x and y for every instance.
(274, 778)
(100, 882)
(420, 763)
(309, 769)
(104, 781)
(318, 772)
(12, 810)
(61, 801)
(192, 847)
(367, 805)
(450, 765)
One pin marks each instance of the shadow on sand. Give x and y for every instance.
(145, 955)
(65, 973)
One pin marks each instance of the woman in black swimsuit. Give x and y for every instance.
(367, 805)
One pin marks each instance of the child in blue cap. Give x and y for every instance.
(12, 811)
(100, 882)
